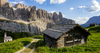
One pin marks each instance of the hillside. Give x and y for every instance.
(92, 45)
(94, 19)
(13, 46)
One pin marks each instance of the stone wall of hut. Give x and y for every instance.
(60, 42)
(50, 41)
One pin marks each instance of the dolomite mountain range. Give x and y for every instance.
(23, 18)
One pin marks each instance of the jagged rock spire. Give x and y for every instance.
(3, 2)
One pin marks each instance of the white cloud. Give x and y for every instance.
(71, 8)
(95, 6)
(81, 6)
(81, 20)
(52, 12)
(63, 15)
(57, 1)
(15, 2)
(40, 1)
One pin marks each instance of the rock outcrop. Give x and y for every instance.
(38, 20)
(14, 27)
(56, 18)
(3, 2)
(21, 6)
(60, 15)
(33, 14)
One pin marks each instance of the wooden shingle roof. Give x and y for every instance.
(58, 30)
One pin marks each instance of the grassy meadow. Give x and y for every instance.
(13, 46)
(14, 35)
(1, 39)
(92, 45)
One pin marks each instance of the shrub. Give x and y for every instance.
(38, 37)
(40, 43)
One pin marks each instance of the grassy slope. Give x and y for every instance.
(92, 45)
(13, 46)
(1, 39)
(14, 35)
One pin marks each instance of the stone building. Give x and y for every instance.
(93, 24)
(7, 38)
(65, 35)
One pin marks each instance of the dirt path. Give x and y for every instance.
(34, 47)
(32, 50)
(21, 51)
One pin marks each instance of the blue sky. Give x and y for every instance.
(78, 10)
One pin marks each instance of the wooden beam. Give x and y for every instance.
(73, 39)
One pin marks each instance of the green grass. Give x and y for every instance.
(14, 46)
(27, 50)
(92, 45)
(38, 37)
(14, 35)
(1, 39)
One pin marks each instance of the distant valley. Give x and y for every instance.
(94, 19)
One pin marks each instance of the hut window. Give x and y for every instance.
(69, 41)
(77, 39)
(69, 44)
(69, 38)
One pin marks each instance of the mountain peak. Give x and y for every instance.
(94, 19)
(19, 5)
(3, 2)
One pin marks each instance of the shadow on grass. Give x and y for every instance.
(40, 43)
(38, 37)
(25, 42)
(30, 48)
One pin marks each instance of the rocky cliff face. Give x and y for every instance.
(38, 20)
(3, 2)
(13, 26)
(21, 6)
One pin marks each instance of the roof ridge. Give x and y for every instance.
(55, 30)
